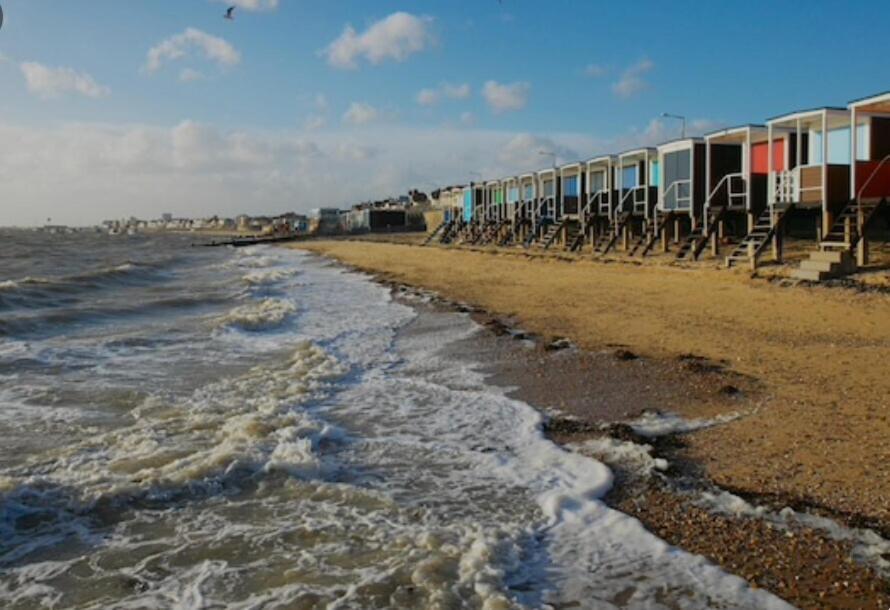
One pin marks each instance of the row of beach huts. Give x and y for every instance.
(822, 173)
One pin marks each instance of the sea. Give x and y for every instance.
(260, 428)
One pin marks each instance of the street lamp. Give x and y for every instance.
(668, 115)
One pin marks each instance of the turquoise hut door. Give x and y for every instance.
(468, 206)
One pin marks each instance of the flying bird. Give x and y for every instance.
(230, 14)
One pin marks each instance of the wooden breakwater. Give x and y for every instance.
(242, 242)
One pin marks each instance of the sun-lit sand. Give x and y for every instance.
(820, 434)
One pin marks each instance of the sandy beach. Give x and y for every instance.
(803, 368)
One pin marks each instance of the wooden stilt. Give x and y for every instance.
(862, 252)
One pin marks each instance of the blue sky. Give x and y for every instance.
(254, 115)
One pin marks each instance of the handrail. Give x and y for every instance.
(630, 191)
(675, 185)
(870, 178)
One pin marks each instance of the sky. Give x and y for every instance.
(113, 108)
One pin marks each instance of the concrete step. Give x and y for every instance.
(817, 265)
(810, 275)
(831, 256)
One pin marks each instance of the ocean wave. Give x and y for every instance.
(34, 291)
(227, 430)
(271, 276)
(261, 315)
(54, 320)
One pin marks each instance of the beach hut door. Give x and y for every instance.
(677, 180)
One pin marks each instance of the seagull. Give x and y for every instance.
(230, 14)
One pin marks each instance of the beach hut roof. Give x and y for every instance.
(637, 151)
(601, 159)
(880, 102)
(809, 113)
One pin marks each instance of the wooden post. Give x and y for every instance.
(751, 261)
(780, 243)
(676, 230)
(625, 237)
(664, 238)
(751, 221)
(862, 251)
(773, 219)
(819, 224)
(715, 246)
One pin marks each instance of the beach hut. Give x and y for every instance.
(494, 212)
(566, 225)
(638, 179)
(870, 179)
(524, 216)
(815, 172)
(545, 211)
(512, 201)
(600, 196)
(808, 164)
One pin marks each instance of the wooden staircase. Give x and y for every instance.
(697, 240)
(752, 246)
(576, 241)
(608, 240)
(653, 236)
(439, 232)
(538, 227)
(551, 233)
(492, 232)
(835, 257)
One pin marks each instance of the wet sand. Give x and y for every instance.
(738, 346)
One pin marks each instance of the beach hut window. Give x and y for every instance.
(571, 186)
(814, 151)
(629, 176)
(513, 195)
(499, 197)
(529, 192)
(597, 182)
(548, 188)
(468, 206)
(863, 143)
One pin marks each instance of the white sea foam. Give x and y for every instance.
(260, 315)
(271, 276)
(629, 455)
(656, 424)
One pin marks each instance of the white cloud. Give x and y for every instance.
(252, 5)
(187, 75)
(46, 82)
(456, 92)
(396, 37)
(632, 81)
(467, 119)
(321, 102)
(360, 113)
(506, 98)
(431, 97)
(595, 70)
(177, 47)
(427, 97)
(314, 122)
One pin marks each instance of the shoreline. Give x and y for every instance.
(801, 564)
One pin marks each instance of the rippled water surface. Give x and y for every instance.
(257, 428)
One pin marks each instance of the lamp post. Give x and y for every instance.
(668, 115)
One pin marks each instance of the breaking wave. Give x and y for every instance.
(262, 315)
